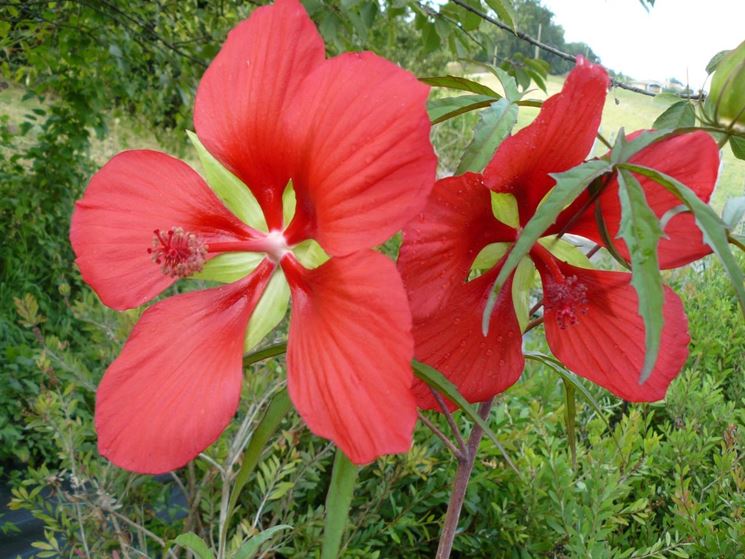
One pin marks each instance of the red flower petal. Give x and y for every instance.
(363, 162)
(450, 340)
(557, 140)
(132, 195)
(606, 343)
(246, 90)
(177, 382)
(349, 354)
(441, 244)
(693, 159)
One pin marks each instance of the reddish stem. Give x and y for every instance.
(460, 484)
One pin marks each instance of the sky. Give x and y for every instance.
(676, 38)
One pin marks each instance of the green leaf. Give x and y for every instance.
(504, 11)
(463, 84)
(489, 256)
(436, 380)
(249, 549)
(737, 144)
(446, 108)
(538, 70)
(430, 38)
(230, 189)
(229, 266)
(712, 227)
(495, 124)
(677, 115)
(338, 501)
(565, 251)
(509, 85)
(569, 186)
(671, 213)
(624, 150)
(270, 310)
(538, 79)
(641, 231)
(289, 203)
(522, 285)
(275, 412)
(715, 60)
(467, 19)
(195, 544)
(570, 417)
(566, 376)
(310, 253)
(734, 210)
(504, 208)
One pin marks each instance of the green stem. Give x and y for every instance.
(266, 353)
(338, 502)
(735, 241)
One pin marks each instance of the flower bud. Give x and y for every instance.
(727, 95)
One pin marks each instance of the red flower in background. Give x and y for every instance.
(352, 134)
(590, 316)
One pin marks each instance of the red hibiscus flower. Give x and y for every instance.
(590, 316)
(352, 135)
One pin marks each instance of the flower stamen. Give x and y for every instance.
(179, 253)
(563, 295)
(566, 298)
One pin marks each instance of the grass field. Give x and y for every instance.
(634, 111)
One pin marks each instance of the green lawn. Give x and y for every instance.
(634, 111)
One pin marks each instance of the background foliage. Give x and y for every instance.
(85, 79)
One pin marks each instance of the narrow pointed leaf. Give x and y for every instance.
(275, 412)
(565, 251)
(230, 189)
(641, 231)
(671, 213)
(437, 381)
(269, 312)
(495, 124)
(522, 285)
(624, 150)
(195, 544)
(229, 266)
(509, 85)
(310, 254)
(504, 208)
(569, 186)
(556, 366)
(570, 416)
(462, 84)
(444, 109)
(249, 549)
(713, 228)
(338, 501)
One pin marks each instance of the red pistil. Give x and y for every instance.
(178, 252)
(563, 295)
